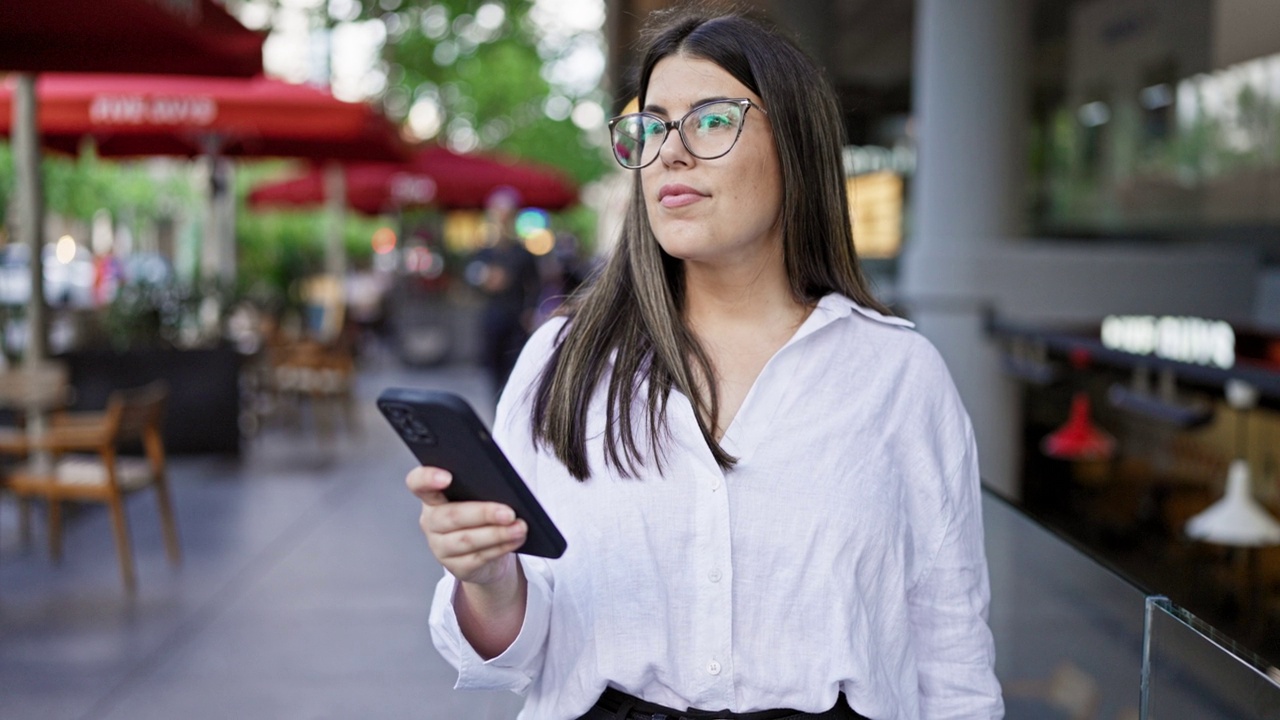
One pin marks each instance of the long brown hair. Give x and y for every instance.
(630, 316)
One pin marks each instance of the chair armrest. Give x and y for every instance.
(79, 437)
(77, 418)
(13, 441)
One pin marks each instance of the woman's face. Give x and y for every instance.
(723, 211)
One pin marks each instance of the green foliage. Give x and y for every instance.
(278, 248)
(77, 187)
(6, 181)
(494, 86)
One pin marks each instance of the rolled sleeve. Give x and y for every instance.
(948, 609)
(517, 666)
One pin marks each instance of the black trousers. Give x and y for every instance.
(502, 337)
(616, 705)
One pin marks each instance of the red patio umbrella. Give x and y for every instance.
(183, 36)
(189, 37)
(434, 176)
(131, 115)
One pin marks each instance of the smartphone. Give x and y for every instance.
(443, 431)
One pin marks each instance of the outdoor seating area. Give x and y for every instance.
(303, 585)
(311, 377)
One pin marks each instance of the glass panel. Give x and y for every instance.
(1068, 631)
(1192, 672)
(1159, 122)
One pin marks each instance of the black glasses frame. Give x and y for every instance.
(678, 125)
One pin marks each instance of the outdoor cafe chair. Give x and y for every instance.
(322, 374)
(79, 459)
(27, 393)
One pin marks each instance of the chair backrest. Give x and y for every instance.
(137, 413)
(43, 386)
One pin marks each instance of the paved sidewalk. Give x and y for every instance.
(303, 594)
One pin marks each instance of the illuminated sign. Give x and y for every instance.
(863, 159)
(1182, 339)
(875, 208)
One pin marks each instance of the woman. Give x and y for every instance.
(768, 485)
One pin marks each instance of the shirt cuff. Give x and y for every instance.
(514, 668)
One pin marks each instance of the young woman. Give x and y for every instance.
(768, 485)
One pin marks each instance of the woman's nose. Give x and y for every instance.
(673, 149)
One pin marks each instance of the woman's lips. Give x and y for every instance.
(674, 196)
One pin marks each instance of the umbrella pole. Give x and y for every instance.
(335, 252)
(227, 222)
(26, 150)
(335, 201)
(209, 243)
(26, 168)
(217, 253)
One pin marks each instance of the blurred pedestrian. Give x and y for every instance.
(507, 274)
(768, 484)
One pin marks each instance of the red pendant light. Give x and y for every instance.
(1079, 439)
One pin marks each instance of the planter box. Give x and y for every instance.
(204, 391)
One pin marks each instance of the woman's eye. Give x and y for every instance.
(714, 122)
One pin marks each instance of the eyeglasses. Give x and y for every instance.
(708, 131)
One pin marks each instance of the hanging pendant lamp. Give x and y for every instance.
(1079, 439)
(1237, 519)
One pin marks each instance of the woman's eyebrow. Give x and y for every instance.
(660, 110)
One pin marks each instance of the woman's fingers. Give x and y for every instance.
(479, 543)
(479, 555)
(454, 516)
(468, 538)
(429, 483)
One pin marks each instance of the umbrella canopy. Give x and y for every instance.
(194, 37)
(434, 176)
(130, 115)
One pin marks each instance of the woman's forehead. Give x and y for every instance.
(680, 82)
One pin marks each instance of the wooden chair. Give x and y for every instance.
(29, 392)
(83, 463)
(323, 375)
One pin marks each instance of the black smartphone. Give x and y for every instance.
(443, 431)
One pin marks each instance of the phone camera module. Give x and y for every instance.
(419, 431)
(397, 413)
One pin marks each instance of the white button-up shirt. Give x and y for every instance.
(842, 553)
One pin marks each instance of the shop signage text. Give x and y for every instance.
(1182, 339)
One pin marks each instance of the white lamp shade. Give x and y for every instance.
(1237, 519)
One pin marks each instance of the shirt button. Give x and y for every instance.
(715, 483)
(714, 576)
(713, 667)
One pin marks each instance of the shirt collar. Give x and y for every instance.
(830, 308)
(834, 306)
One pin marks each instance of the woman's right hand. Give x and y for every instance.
(475, 541)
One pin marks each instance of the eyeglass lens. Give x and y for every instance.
(708, 132)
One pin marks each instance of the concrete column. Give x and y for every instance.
(968, 200)
(30, 188)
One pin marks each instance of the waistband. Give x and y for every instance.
(628, 707)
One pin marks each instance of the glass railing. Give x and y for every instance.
(1076, 640)
(1192, 672)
